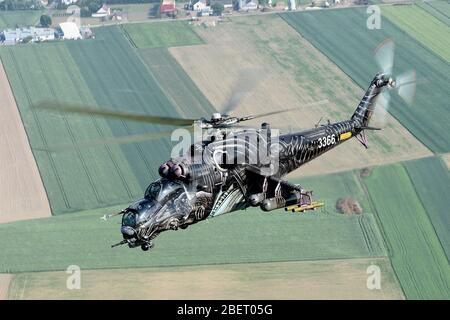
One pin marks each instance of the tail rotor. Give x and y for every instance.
(404, 84)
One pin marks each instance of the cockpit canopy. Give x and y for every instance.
(162, 199)
(160, 189)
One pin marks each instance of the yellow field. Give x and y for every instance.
(331, 279)
(5, 279)
(21, 190)
(293, 73)
(446, 158)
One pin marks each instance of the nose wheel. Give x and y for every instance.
(147, 246)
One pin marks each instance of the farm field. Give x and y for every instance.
(431, 177)
(234, 238)
(74, 180)
(162, 34)
(297, 74)
(176, 83)
(439, 9)
(330, 279)
(20, 18)
(433, 129)
(416, 254)
(5, 280)
(103, 72)
(22, 192)
(446, 158)
(422, 26)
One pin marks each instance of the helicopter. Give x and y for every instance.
(233, 167)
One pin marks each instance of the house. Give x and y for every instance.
(104, 11)
(167, 6)
(69, 31)
(251, 5)
(68, 2)
(199, 6)
(32, 34)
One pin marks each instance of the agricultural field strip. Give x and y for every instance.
(164, 34)
(422, 26)
(331, 279)
(22, 190)
(240, 237)
(62, 70)
(414, 248)
(439, 9)
(434, 129)
(430, 176)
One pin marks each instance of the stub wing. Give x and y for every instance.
(270, 193)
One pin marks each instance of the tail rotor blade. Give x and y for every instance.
(384, 56)
(406, 86)
(382, 107)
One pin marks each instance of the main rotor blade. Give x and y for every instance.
(384, 55)
(121, 115)
(110, 141)
(284, 110)
(248, 79)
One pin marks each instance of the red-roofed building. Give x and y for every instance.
(167, 6)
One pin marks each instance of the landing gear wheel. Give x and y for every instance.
(146, 246)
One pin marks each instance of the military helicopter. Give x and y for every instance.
(233, 167)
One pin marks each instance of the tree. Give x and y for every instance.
(45, 21)
(263, 3)
(217, 9)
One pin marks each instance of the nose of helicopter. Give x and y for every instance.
(127, 232)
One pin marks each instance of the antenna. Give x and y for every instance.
(318, 122)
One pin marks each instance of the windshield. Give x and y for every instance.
(160, 189)
(129, 219)
(153, 190)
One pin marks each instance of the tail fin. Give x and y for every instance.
(365, 108)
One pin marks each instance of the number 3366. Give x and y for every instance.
(326, 141)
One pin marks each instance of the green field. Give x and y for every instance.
(422, 26)
(176, 82)
(165, 34)
(428, 118)
(414, 249)
(431, 180)
(19, 18)
(106, 72)
(439, 9)
(246, 236)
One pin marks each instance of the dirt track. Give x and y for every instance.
(5, 279)
(21, 190)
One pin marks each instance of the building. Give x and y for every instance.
(104, 11)
(68, 2)
(69, 31)
(167, 6)
(199, 6)
(32, 34)
(251, 5)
